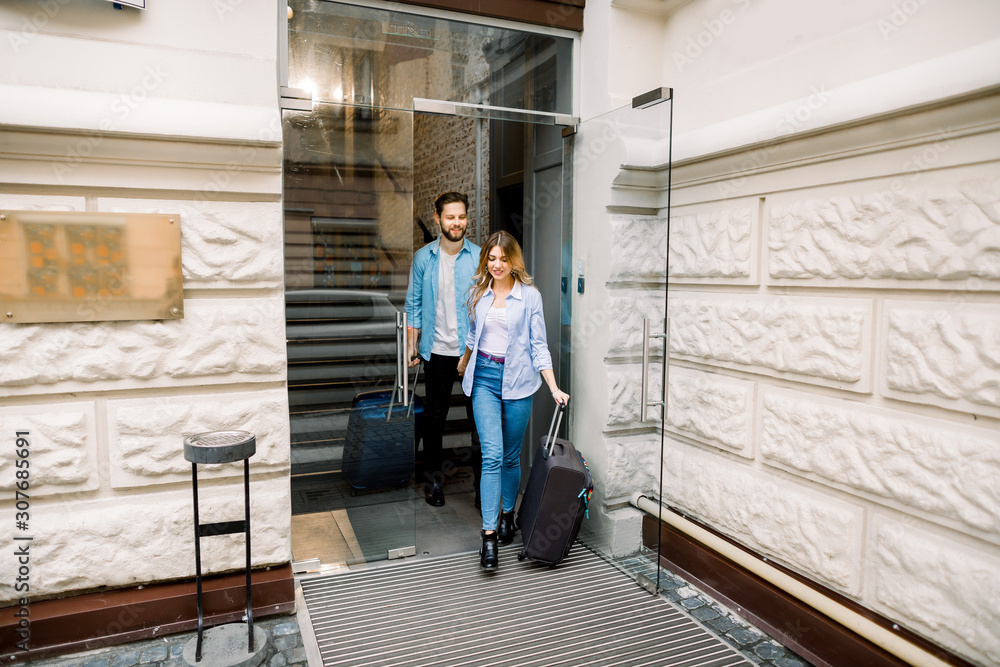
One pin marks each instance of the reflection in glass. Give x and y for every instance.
(348, 244)
(385, 58)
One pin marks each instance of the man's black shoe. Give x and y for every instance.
(434, 495)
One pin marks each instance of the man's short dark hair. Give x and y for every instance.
(450, 198)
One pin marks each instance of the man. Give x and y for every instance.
(439, 316)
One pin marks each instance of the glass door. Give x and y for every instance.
(621, 182)
(348, 197)
(524, 167)
(361, 173)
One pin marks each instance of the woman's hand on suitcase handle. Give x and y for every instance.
(561, 397)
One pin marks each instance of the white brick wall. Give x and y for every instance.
(711, 408)
(825, 341)
(944, 353)
(218, 340)
(639, 245)
(716, 244)
(63, 447)
(834, 385)
(943, 587)
(109, 403)
(906, 236)
(142, 434)
(818, 534)
(147, 537)
(941, 470)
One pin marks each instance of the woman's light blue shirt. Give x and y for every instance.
(527, 346)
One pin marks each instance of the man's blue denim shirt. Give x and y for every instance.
(421, 293)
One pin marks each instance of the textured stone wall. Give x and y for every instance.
(444, 160)
(833, 395)
(444, 148)
(108, 404)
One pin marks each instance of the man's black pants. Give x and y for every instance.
(440, 374)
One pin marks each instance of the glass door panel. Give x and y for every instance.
(522, 172)
(357, 204)
(348, 197)
(386, 57)
(621, 168)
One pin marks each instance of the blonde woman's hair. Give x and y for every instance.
(482, 279)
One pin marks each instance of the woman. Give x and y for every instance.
(507, 340)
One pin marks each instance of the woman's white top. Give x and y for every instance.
(527, 350)
(494, 338)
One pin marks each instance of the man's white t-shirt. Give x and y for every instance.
(445, 315)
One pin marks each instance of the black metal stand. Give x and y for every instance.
(221, 447)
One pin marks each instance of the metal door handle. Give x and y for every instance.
(404, 364)
(644, 401)
(400, 386)
(400, 356)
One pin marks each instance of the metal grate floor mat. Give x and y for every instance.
(448, 612)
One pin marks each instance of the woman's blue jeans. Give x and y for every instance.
(501, 425)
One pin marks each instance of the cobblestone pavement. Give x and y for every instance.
(756, 646)
(284, 649)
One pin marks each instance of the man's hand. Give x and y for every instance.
(411, 340)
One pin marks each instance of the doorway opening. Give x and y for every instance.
(362, 170)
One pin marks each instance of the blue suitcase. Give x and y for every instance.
(381, 439)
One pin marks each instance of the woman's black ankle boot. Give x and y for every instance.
(488, 554)
(506, 529)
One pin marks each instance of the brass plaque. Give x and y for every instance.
(69, 266)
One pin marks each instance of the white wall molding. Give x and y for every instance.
(655, 7)
(972, 120)
(971, 72)
(98, 112)
(58, 160)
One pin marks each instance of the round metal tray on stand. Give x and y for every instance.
(220, 642)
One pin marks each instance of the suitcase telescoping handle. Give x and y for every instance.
(413, 393)
(550, 439)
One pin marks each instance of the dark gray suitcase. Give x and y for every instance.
(555, 499)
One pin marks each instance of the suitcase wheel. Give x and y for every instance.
(520, 556)
(551, 565)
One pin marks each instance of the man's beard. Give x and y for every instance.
(454, 234)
